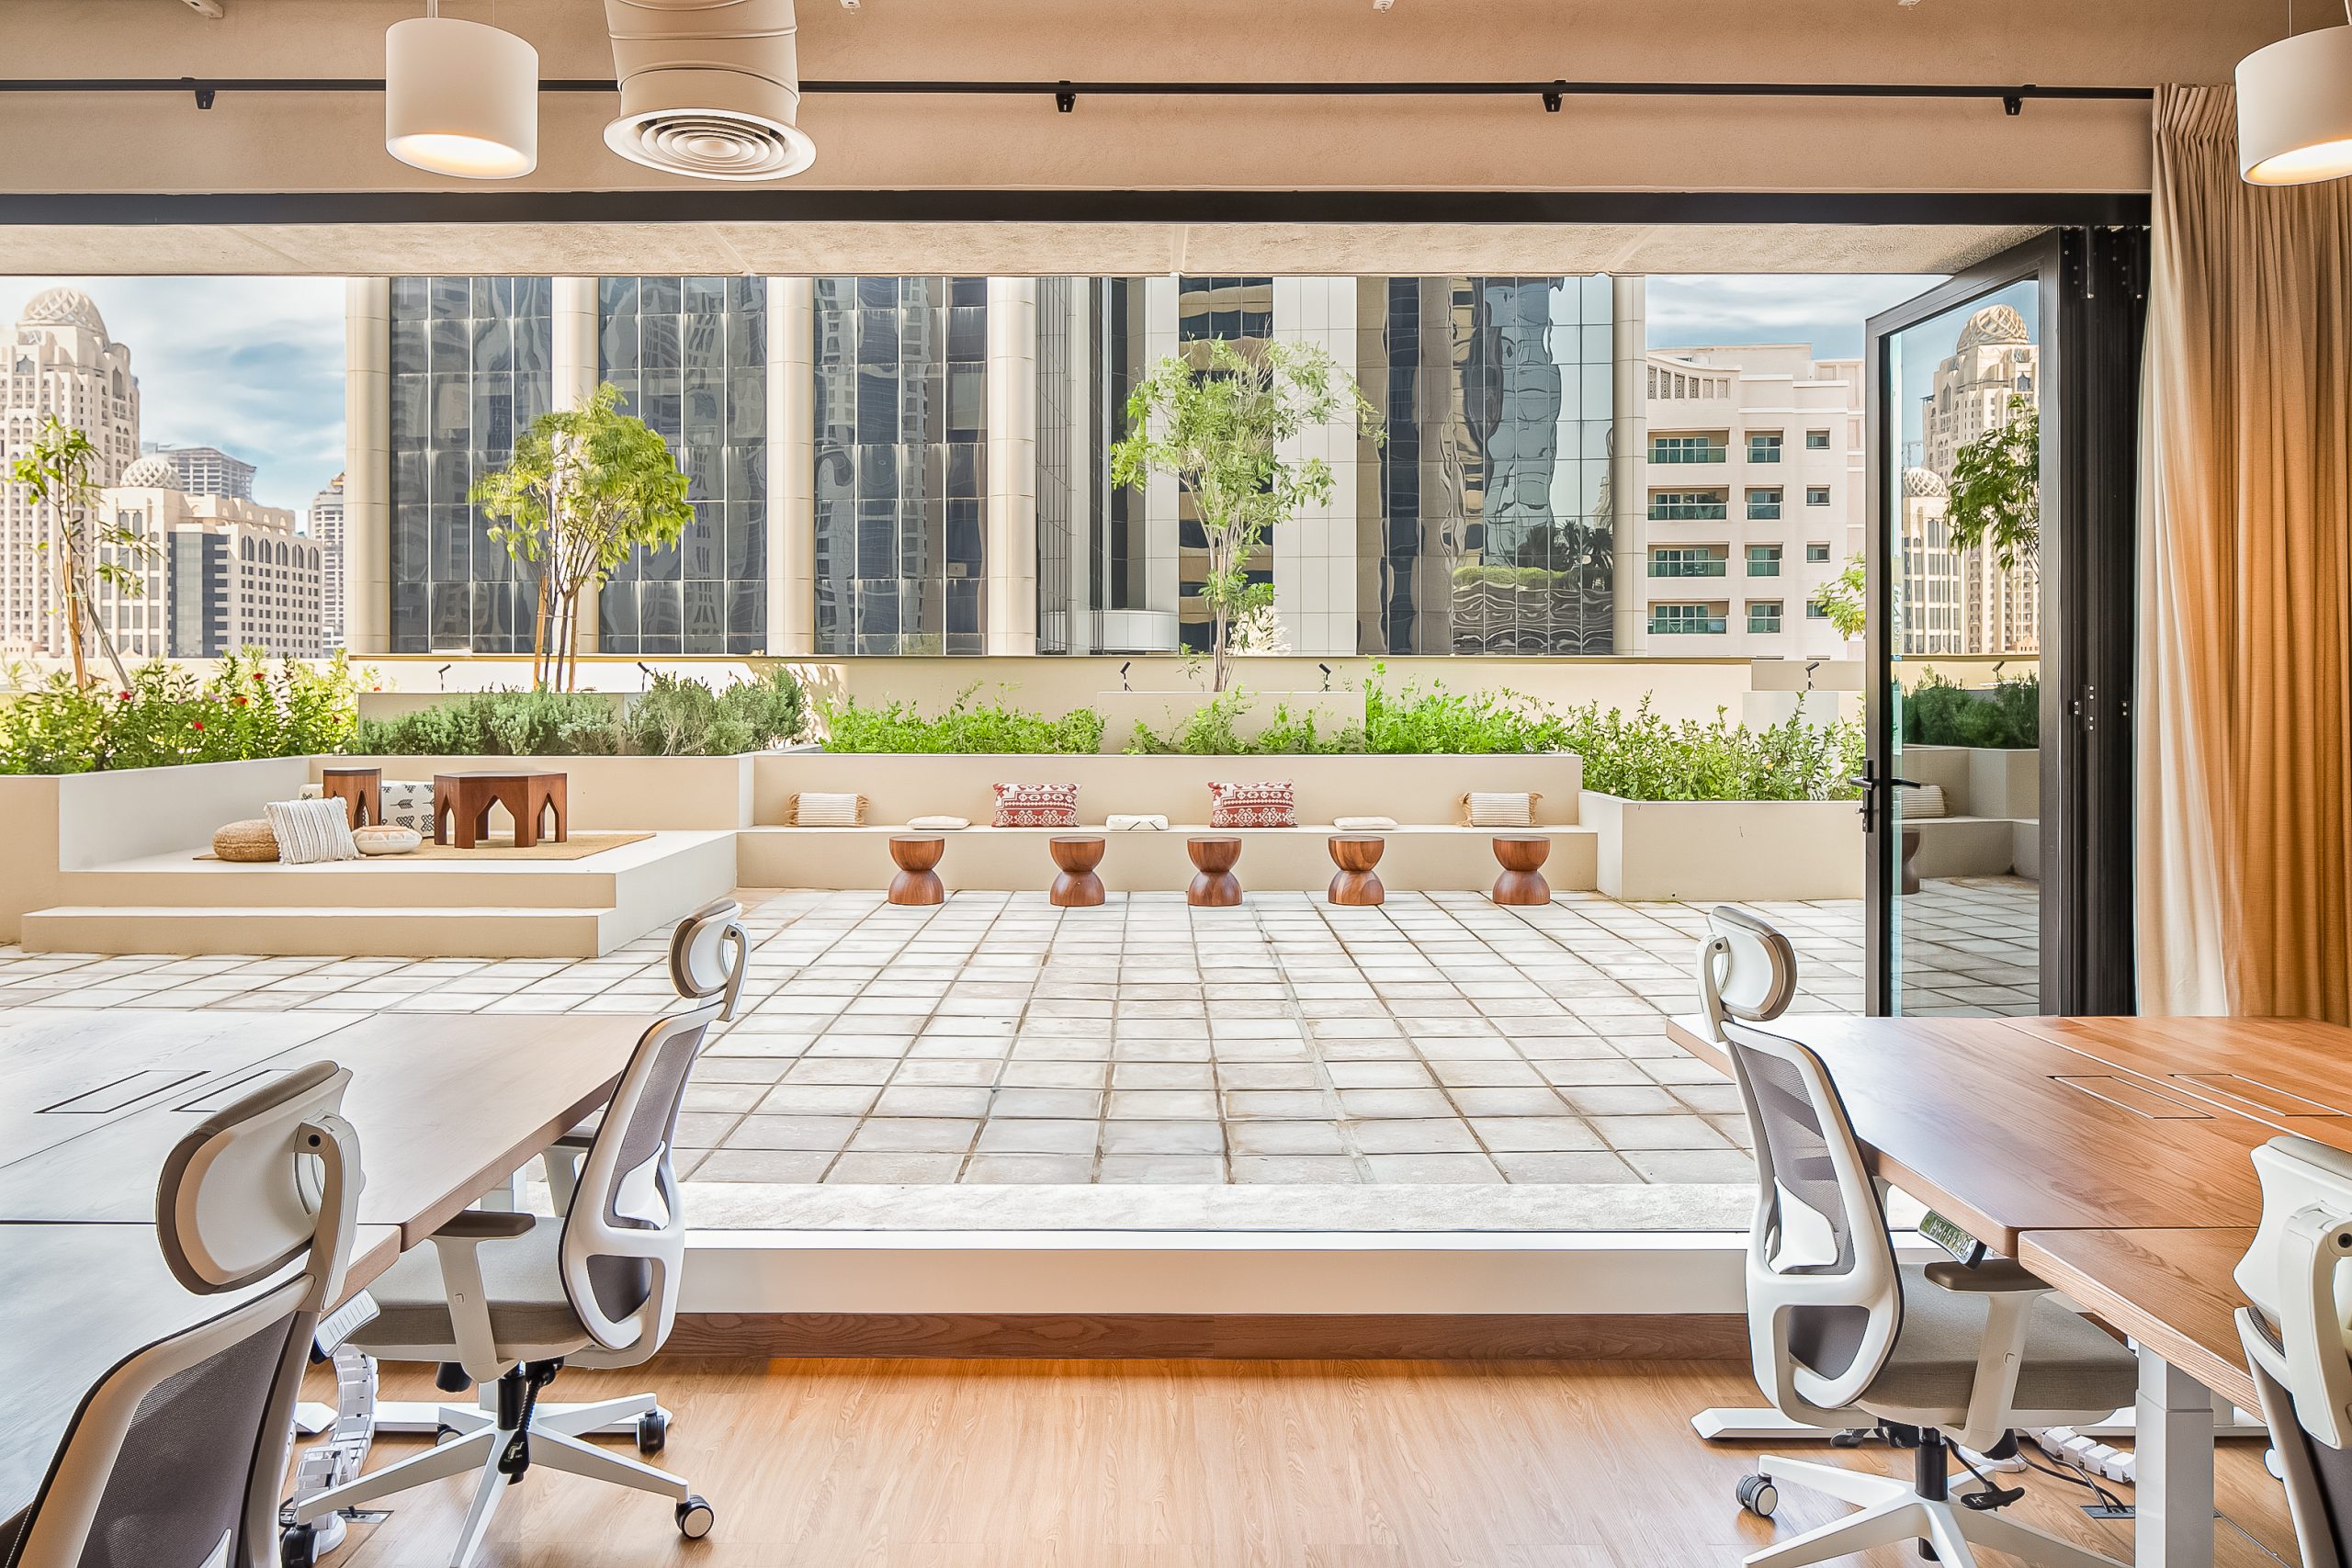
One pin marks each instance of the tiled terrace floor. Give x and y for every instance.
(994, 1039)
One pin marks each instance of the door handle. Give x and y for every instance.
(1869, 783)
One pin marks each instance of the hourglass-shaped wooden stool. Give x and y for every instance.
(917, 882)
(1216, 887)
(1355, 854)
(1077, 887)
(1521, 856)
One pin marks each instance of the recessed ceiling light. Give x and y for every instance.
(460, 99)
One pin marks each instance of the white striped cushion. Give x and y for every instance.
(310, 831)
(1500, 809)
(1927, 800)
(813, 810)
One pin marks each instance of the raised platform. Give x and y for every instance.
(1289, 859)
(390, 906)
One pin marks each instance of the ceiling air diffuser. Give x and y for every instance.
(709, 88)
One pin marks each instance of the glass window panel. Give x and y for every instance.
(660, 297)
(660, 616)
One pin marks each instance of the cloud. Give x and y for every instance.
(1827, 310)
(252, 366)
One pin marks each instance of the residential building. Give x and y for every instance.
(208, 470)
(1754, 490)
(931, 452)
(325, 525)
(61, 363)
(236, 574)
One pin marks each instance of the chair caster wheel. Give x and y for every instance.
(695, 1517)
(442, 1432)
(1759, 1496)
(298, 1546)
(652, 1432)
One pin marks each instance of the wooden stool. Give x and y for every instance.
(1216, 887)
(1077, 887)
(917, 883)
(361, 790)
(1522, 857)
(461, 804)
(1355, 854)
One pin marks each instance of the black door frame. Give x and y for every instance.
(2090, 284)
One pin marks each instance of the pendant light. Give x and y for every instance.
(2295, 110)
(460, 99)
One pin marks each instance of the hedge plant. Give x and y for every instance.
(965, 726)
(247, 707)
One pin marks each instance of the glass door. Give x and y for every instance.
(1962, 493)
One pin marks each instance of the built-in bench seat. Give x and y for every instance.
(1976, 846)
(1417, 857)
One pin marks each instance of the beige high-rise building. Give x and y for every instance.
(61, 363)
(237, 575)
(325, 525)
(1973, 605)
(1752, 478)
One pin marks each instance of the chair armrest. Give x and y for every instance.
(1994, 1276)
(485, 1225)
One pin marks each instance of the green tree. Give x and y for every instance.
(1216, 422)
(585, 487)
(1997, 488)
(1845, 598)
(88, 550)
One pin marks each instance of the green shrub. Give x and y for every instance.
(246, 708)
(1644, 757)
(498, 724)
(1438, 720)
(1213, 730)
(1935, 712)
(967, 726)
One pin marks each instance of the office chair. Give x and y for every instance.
(2298, 1337)
(709, 954)
(511, 1298)
(1840, 1335)
(175, 1458)
(1747, 970)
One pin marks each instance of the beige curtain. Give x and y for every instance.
(2245, 720)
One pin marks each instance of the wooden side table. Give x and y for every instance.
(361, 790)
(1077, 887)
(1355, 854)
(917, 882)
(1521, 856)
(461, 804)
(1216, 887)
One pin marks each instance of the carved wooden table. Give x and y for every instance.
(1522, 857)
(1355, 854)
(361, 790)
(461, 804)
(1216, 887)
(1077, 887)
(917, 882)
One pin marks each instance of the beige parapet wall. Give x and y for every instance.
(1725, 850)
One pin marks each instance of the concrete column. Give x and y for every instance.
(1314, 552)
(792, 467)
(1163, 577)
(1078, 601)
(367, 464)
(571, 357)
(1628, 466)
(1009, 595)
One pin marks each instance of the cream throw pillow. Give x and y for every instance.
(937, 824)
(813, 810)
(1487, 810)
(309, 831)
(1927, 800)
(1363, 824)
(1133, 822)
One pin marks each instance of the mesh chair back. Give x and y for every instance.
(175, 1460)
(624, 1234)
(2318, 1475)
(708, 953)
(1747, 970)
(1843, 1311)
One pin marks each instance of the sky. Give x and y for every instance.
(1825, 310)
(252, 366)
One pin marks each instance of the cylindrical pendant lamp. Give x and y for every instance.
(460, 99)
(2295, 110)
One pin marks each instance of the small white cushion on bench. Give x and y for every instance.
(937, 824)
(1124, 822)
(1364, 824)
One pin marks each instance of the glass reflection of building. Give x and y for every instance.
(469, 368)
(689, 356)
(901, 474)
(1241, 311)
(1492, 532)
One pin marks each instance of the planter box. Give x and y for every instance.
(631, 794)
(1424, 790)
(1161, 712)
(1726, 851)
(66, 822)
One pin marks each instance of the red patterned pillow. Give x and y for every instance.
(1268, 805)
(1037, 806)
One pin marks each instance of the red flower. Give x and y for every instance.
(258, 676)
(124, 695)
(195, 724)
(241, 702)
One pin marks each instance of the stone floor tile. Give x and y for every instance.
(1682, 1131)
(1160, 1169)
(915, 1134)
(1021, 1135)
(1029, 1169)
(1162, 1138)
(1070, 1104)
(778, 1132)
(760, 1164)
(1285, 1138)
(1426, 1135)
(1625, 1100)
(1432, 1168)
(1596, 1166)
(1294, 1170)
(1534, 1134)
(894, 1171)
(1161, 1105)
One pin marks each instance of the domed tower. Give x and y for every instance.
(61, 362)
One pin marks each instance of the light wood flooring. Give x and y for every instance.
(1157, 1464)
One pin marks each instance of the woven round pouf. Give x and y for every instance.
(249, 841)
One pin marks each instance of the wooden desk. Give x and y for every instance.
(2290, 1074)
(80, 1299)
(2169, 1290)
(445, 1108)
